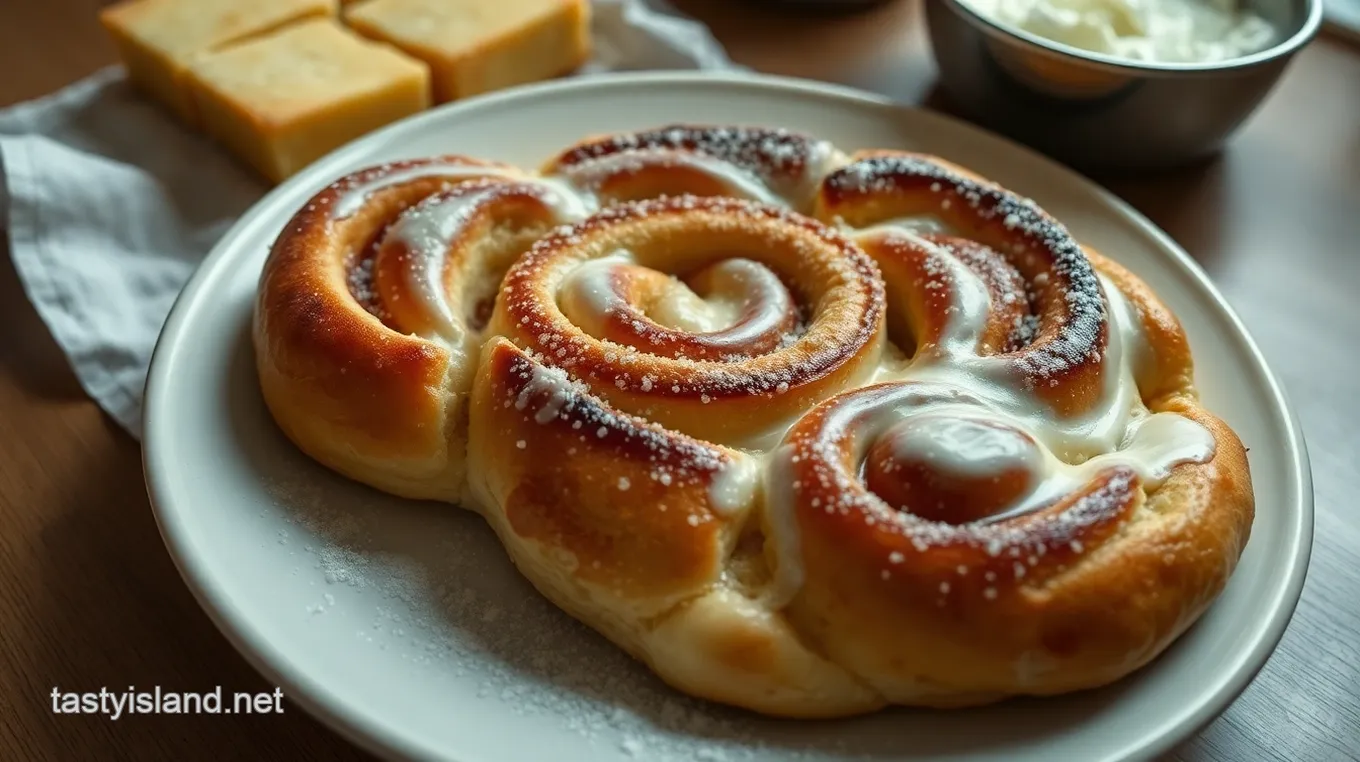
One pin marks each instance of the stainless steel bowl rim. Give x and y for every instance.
(1285, 48)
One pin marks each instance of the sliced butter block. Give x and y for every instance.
(475, 46)
(157, 40)
(284, 100)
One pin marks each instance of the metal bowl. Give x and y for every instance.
(1099, 112)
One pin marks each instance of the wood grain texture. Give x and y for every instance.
(89, 597)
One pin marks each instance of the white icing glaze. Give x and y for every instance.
(781, 528)
(429, 229)
(954, 382)
(1071, 440)
(954, 361)
(555, 385)
(736, 181)
(1157, 443)
(864, 419)
(683, 310)
(356, 194)
(823, 159)
(739, 284)
(963, 445)
(733, 486)
(588, 296)
(916, 223)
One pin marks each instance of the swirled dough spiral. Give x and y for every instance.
(807, 432)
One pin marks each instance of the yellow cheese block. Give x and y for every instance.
(475, 46)
(283, 100)
(158, 39)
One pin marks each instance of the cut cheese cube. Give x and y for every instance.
(284, 100)
(475, 46)
(158, 40)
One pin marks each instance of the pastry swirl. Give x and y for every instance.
(806, 432)
(723, 385)
(774, 167)
(366, 321)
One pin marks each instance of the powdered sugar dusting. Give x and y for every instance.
(351, 192)
(420, 240)
(823, 460)
(770, 165)
(1052, 319)
(1030, 237)
(546, 394)
(845, 326)
(439, 599)
(359, 279)
(752, 318)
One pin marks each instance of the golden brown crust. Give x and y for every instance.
(375, 403)
(742, 501)
(617, 521)
(1062, 359)
(343, 386)
(922, 314)
(1072, 596)
(725, 401)
(538, 438)
(1170, 368)
(956, 623)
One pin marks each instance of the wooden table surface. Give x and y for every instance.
(89, 597)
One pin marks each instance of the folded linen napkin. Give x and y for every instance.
(110, 204)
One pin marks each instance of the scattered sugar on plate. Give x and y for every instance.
(461, 613)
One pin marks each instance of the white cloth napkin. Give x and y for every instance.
(110, 205)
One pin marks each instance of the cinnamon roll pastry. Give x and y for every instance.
(775, 167)
(1034, 502)
(370, 311)
(806, 432)
(776, 312)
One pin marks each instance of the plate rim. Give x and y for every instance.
(384, 740)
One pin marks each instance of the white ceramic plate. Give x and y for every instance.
(404, 626)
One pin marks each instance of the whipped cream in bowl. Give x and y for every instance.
(1116, 84)
(1171, 31)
